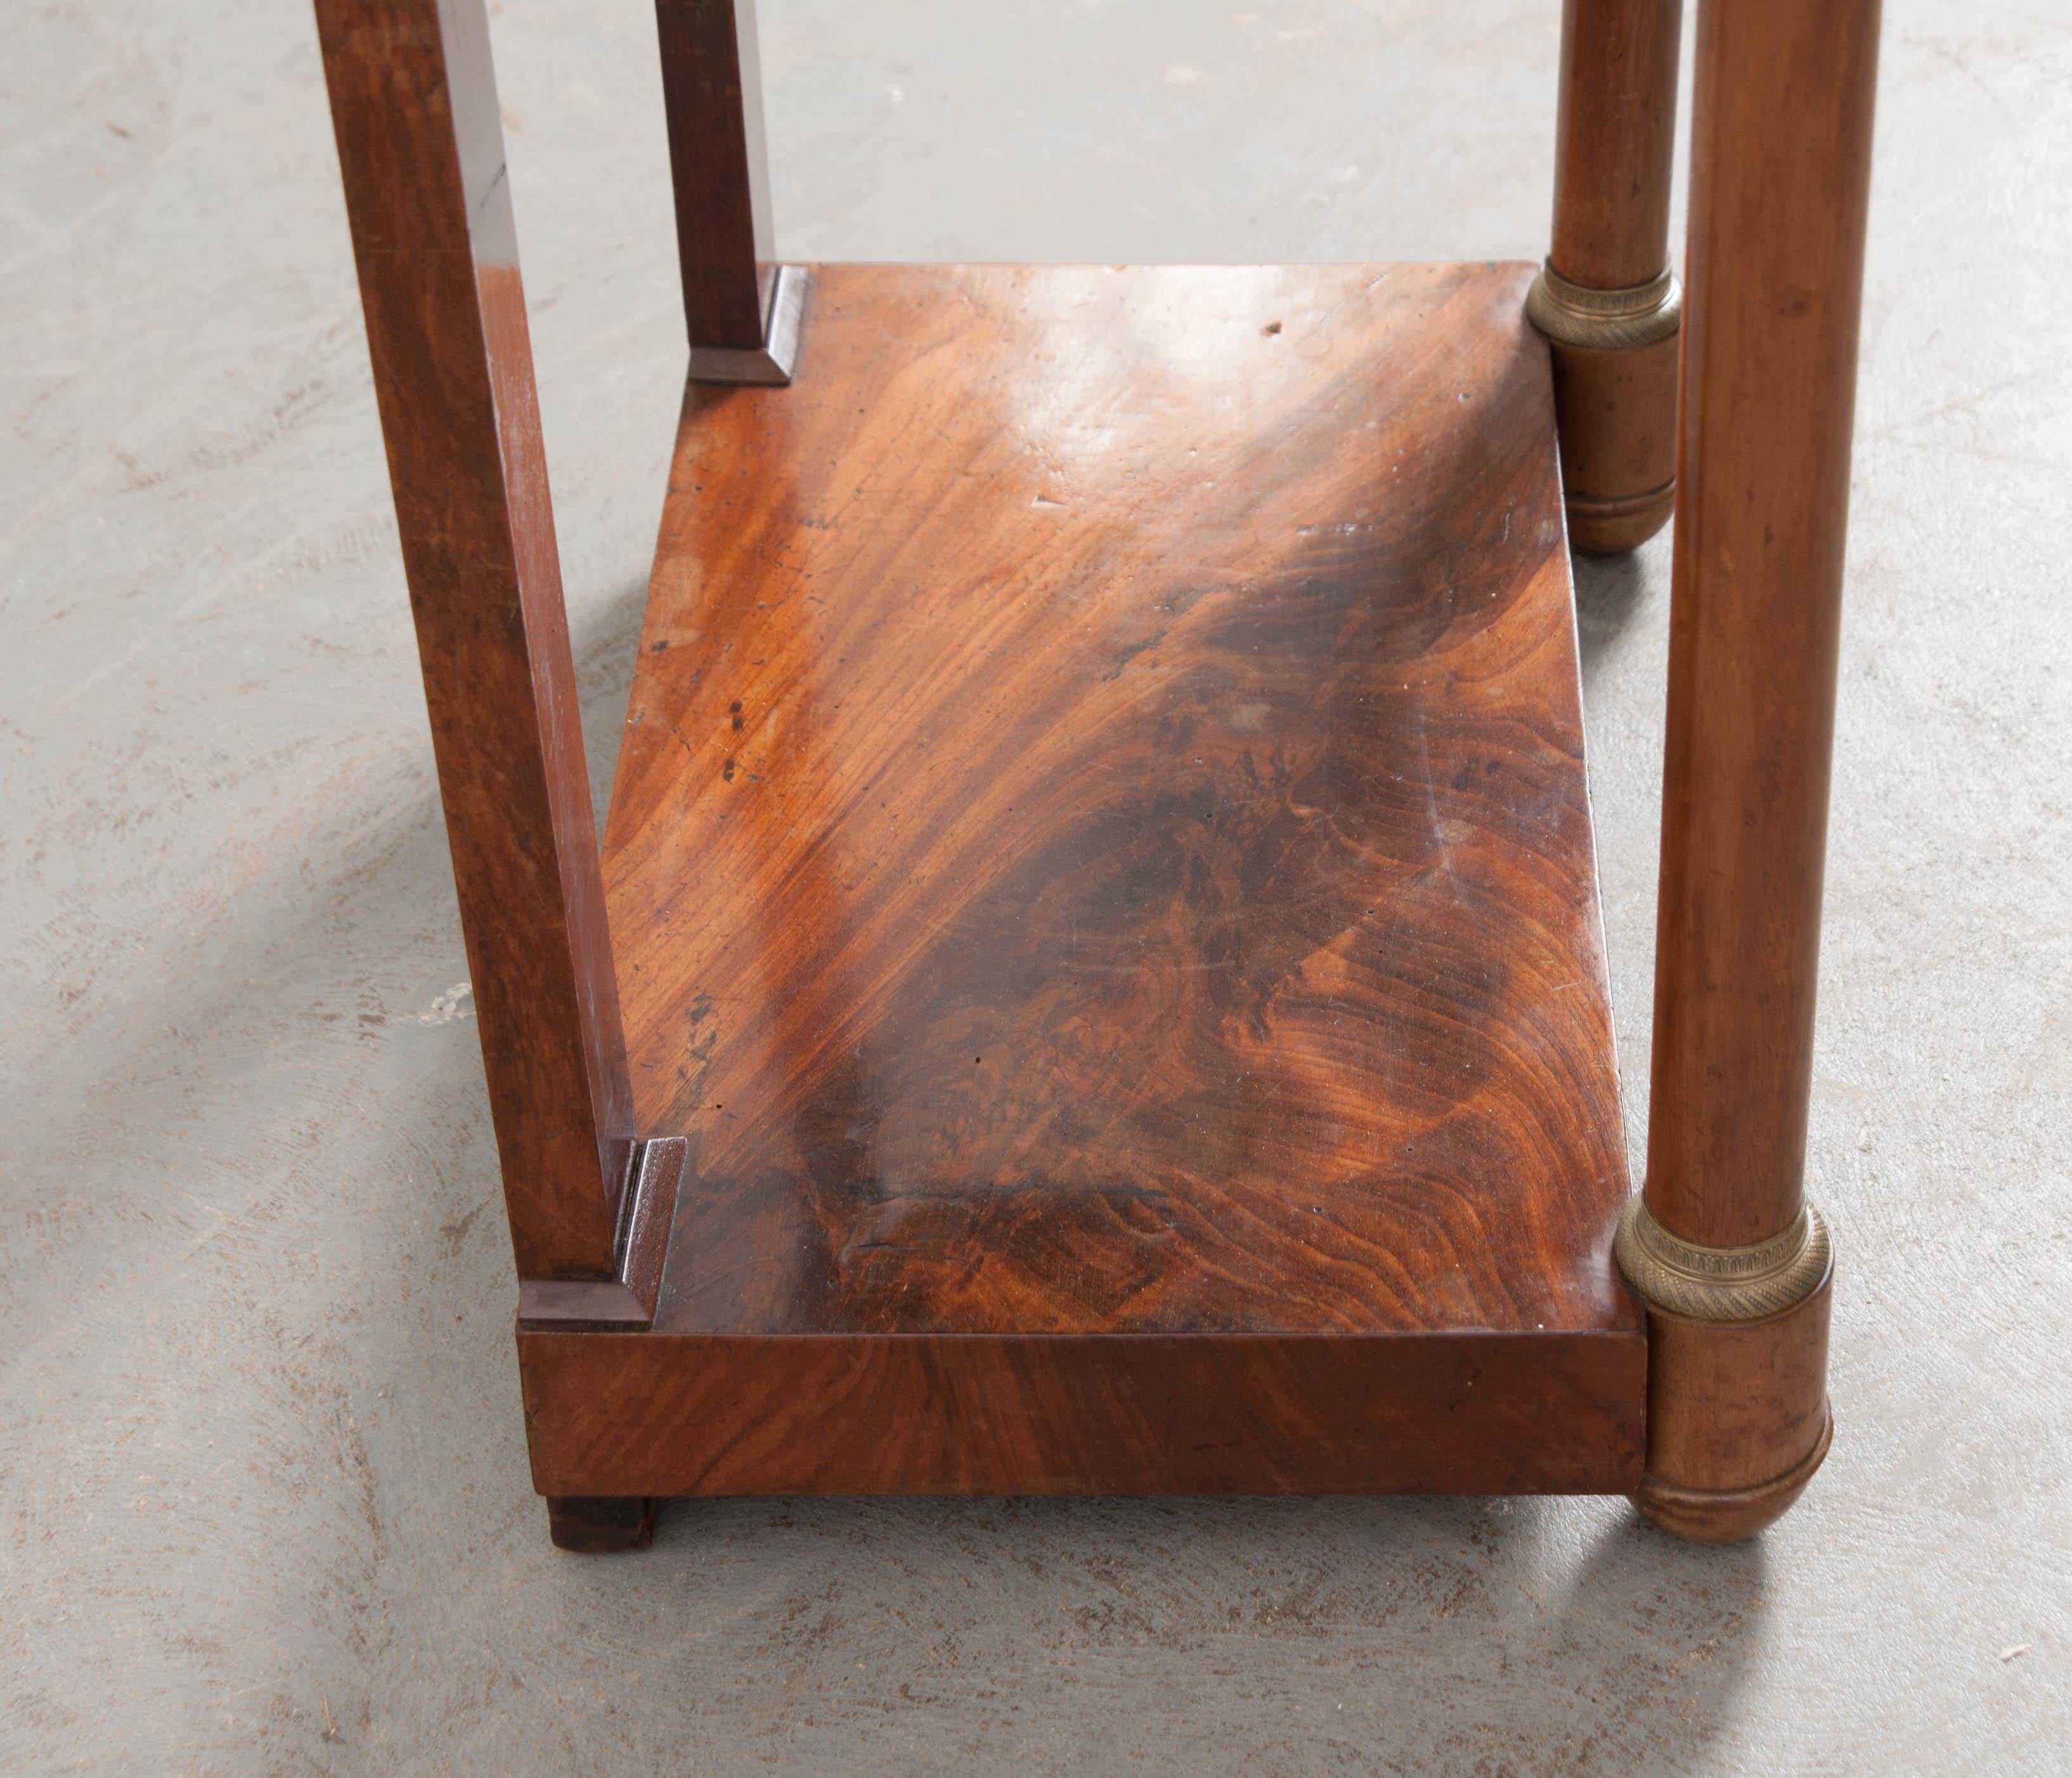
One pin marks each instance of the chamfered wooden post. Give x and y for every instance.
(413, 101)
(1734, 1265)
(742, 311)
(1607, 299)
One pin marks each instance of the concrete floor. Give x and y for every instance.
(264, 1494)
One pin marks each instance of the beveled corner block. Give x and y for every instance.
(772, 365)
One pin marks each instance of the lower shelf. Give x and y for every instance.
(664, 1413)
(1100, 870)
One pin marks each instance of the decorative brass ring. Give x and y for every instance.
(1721, 1283)
(1604, 321)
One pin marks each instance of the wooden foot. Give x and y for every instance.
(770, 363)
(1614, 355)
(1737, 1411)
(1737, 1414)
(1611, 526)
(1731, 1515)
(601, 1524)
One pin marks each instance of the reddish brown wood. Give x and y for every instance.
(1779, 192)
(1160, 687)
(1100, 851)
(1780, 189)
(1615, 140)
(1737, 1419)
(1617, 413)
(626, 1299)
(413, 100)
(712, 90)
(1614, 149)
(1188, 1413)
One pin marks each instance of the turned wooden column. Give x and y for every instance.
(1734, 1266)
(1606, 299)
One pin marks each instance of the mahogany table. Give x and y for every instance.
(1093, 981)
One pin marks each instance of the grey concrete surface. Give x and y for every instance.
(262, 1480)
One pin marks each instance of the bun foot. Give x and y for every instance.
(1607, 527)
(1615, 368)
(1737, 1412)
(1729, 1515)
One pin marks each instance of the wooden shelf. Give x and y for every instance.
(1100, 869)
(1099, 884)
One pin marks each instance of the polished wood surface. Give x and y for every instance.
(1779, 191)
(1615, 140)
(1618, 416)
(1556, 1413)
(712, 93)
(1100, 840)
(1782, 132)
(1737, 1419)
(1100, 870)
(1614, 150)
(413, 101)
(626, 1300)
(1100, 847)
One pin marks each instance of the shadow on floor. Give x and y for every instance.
(1610, 592)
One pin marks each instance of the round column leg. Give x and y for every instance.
(1733, 1266)
(1607, 301)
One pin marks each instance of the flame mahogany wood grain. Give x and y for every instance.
(1159, 687)
(1102, 872)
(413, 101)
(712, 93)
(1102, 1413)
